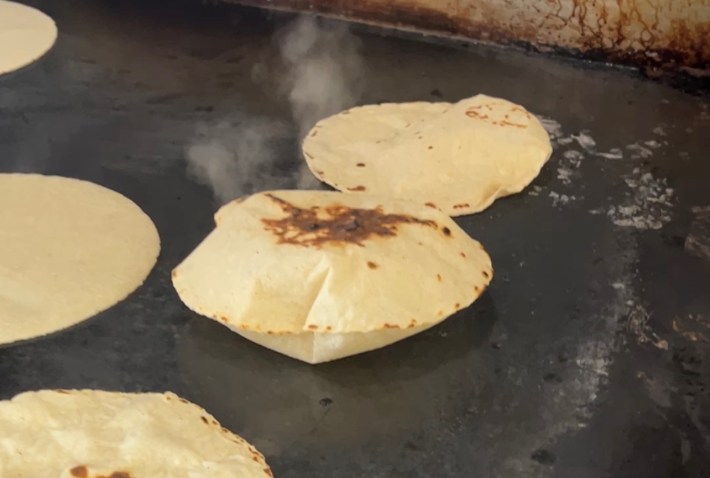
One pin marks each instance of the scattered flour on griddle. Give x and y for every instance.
(570, 404)
(647, 200)
(648, 204)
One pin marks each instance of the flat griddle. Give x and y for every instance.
(587, 357)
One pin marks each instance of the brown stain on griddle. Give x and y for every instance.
(336, 224)
(667, 34)
(358, 188)
(372, 265)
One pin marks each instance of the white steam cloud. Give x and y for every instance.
(320, 74)
(324, 69)
(234, 157)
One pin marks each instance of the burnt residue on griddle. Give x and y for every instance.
(336, 223)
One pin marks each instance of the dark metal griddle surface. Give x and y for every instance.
(587, 357)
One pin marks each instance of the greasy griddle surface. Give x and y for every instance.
(578, 361)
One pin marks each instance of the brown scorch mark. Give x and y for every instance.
(79, 471)
(336, 223)
(82, 472)
(357, 188)
(360, 165)
(372, 265)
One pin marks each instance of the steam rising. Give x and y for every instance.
(233, 157)
(320, 74)
(324, 70)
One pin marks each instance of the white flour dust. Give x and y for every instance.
(647, 201)
(648, 205)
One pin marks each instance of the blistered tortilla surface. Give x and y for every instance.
(458, 157)
(320, 275)
(99, 434)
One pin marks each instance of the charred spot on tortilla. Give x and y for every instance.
(79, 471)
(476, 113)
(360, 165)
(204, 420)
(119, 474)
(431, 205)
(438, 277)
(461, 206)
(486, 274)
(463, 254)
(317, 225)
(372, 265)
(446, 231)
(358, 188)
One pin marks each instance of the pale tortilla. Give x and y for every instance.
(93, 434)
(320, 275)
(458, 157)
(68, 250)
(26, 34)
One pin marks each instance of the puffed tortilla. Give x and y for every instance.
(69, 249)
(321, 275)
(95, 434)
(26, 34)
(458, 157)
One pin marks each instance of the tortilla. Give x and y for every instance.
(26, 34)
(68, 250)
(321, 275)
(97, 434)
(458, 157)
